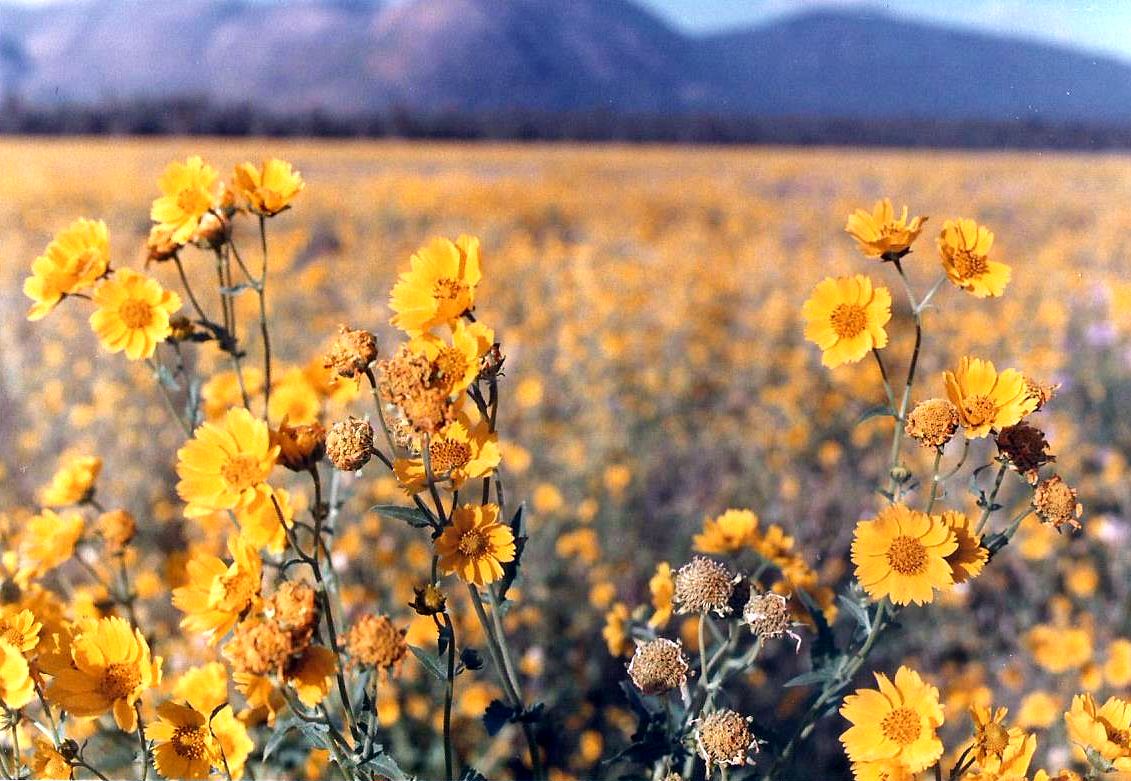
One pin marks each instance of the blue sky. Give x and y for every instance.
(1097, 25)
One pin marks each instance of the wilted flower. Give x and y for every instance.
(704, 586)
(658, 666)
(349, 444)
(724, 738)
(1055, 503)
(932, 423)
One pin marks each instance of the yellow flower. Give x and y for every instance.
(662, 588)
(880, 234)
(475, 545)
(270, 189)
(895, 723)
(1038, 709)
(133, 313)
(987, 399)
(223, 465)
(49, 539)
(73, 483)
(204, 687)
(439, 287)
(47, 762)
(109, 668)
(184, 746)
(730, 532)
(312, 673)
(615, 631)
(72, 262)
(999, 753)
(1105, 729)
(218, 594)
(969, 557)
(16, 685)
(294, 399)
(460, 451)
(902, 554)
(1060, 648)
(259, 521)
(457, 363)
(1117, 668)
(188, 193)
(20, 628)
(845, 317)
(222, 391)
(964, 246)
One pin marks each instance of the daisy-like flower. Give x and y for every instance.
(218, 594)
(259, 521)
(133, 313)
(661, 587)
(969, 557)
(106, 668)
(47, 762)
(999, 752)
(987, 400)
(895, 723)
(439, 287)
(225, 463)
(730, 532)
(183, 745)
(49, 540)
(20, 628)
(457, 362)
(880, 234)
(845, 317)
(16, 686)
(1105, 729)
(73, 483)
(902, 554)
(72, 262)
(294, 399)
(269, 189)
(188, 193)
(460, 451)
(964, 247)
(475, 546)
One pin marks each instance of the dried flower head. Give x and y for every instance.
(658, 666)
(769, 617)
(259, 648)
(1055, 503)
(491, 364)
(294, 608)
(1026, 449)
(1040, 392)
(413, 382)
(351, 352)
(212, 232)
(349, 444)
(300, 447)
(181, 329)
(117, 528)
(724, 738)
(428, 600)
(933, 422)
(703, 585)
(374, 641)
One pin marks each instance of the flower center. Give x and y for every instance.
(969, 265)
(994, 739)
(448, 289)
(472, 543)
(979, 410)
(118, 680)
(190, 742)
(135, 313)
(849, 320)
(907, 556)
(450, 364)
(240, 472)
(11, 633)
(901, 726)
(238, 588)
(447, 454)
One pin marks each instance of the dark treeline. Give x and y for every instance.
(201, 117)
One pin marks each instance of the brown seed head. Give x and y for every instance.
(658, 666)
(349, 444)
(724, 738)
(767, 615)
(1026, 449)
(1041, 392)
(374, 641)
(294, 608)
(1055, 503)
(703, 585)
(933, 422)
(259, 648)
(352, 352)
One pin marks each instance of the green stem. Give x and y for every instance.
(934, 482)
(991, 500)
(449, 695)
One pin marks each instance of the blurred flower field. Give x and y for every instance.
(649, 304)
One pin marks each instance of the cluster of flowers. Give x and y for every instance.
(271, 605)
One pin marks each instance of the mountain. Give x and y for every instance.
(352, 56)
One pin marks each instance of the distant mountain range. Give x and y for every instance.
(351, 57)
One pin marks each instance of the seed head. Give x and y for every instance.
(373, 641)
(768, 616)
(1055, 503)
(1026, 449)
(349, 444)
(352, 352)
(658, 666)
(428, 600)
(724, 738)
(933, 422)
(704, 585)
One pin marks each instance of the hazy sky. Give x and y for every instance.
(1099, 25)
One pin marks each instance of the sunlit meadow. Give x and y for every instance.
(565, 462)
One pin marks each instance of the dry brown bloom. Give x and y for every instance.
(703, 585)
(349, 444)
(259, 648)
(1041, 392)
(117, 529)
(294, 608)
(428, 600)
(1026, 449)
(419, 388)
(768, 616)
(300, 447)
(1055, 503)
(374, 641)
(724, 738)
(351, 352)
(658, 666)
(933, 422)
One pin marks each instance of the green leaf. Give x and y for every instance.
(429, 662)
(857, 611)
(810, 678)
(410, 515)
(387, 767)
(279, 734)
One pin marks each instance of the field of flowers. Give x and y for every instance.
(600, 365)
